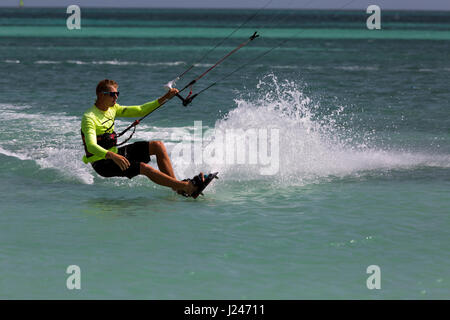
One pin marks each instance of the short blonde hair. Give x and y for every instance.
(104, 84)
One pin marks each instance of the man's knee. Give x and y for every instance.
(156, 147)
(145, 168)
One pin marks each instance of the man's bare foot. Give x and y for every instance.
(189, 187)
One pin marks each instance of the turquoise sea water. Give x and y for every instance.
(362, 169)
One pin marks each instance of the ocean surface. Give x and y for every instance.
(350, 167)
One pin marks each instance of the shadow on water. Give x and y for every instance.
(130, 207)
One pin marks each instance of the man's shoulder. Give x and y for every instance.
(116, 107)
(88, 116)
(94, 112)
(89, 111)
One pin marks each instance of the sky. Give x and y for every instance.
(256, 4)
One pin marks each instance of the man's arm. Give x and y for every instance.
(90, 138)
(169, 95)
(142, 110)
(121, 161)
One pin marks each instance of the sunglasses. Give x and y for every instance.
(112, 94)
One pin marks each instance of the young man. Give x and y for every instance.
(99, 139)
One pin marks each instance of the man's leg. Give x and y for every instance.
(166, 176)
(158, 149)
(165, 180)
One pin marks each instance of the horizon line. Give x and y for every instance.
(221, 8)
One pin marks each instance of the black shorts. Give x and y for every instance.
(135, 153)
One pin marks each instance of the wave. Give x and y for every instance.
(107, 62)
(175, 63)
(122, 63)
(41, 138)
(285, 67)
(110, 62)
(206, 65)
(60, 161)
(13, 154)
(8, 106)
(76, 62)
(115, 62)
(47, 62)
(357, 68)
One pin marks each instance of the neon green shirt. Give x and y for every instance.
(96, 122)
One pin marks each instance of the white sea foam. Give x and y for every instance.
(8, 106)
(13, 154)
(47, 62)
(313, 145)
(206, 65)
(12, 61)
(42, 138)
(115, 62)
(357, 68)
(121, 63)
(285, 67)
(66, 159)
(77, 62)
(175, 63)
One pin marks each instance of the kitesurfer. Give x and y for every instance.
(108, 160)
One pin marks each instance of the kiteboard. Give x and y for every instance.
(208, 178)
(201, 185)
